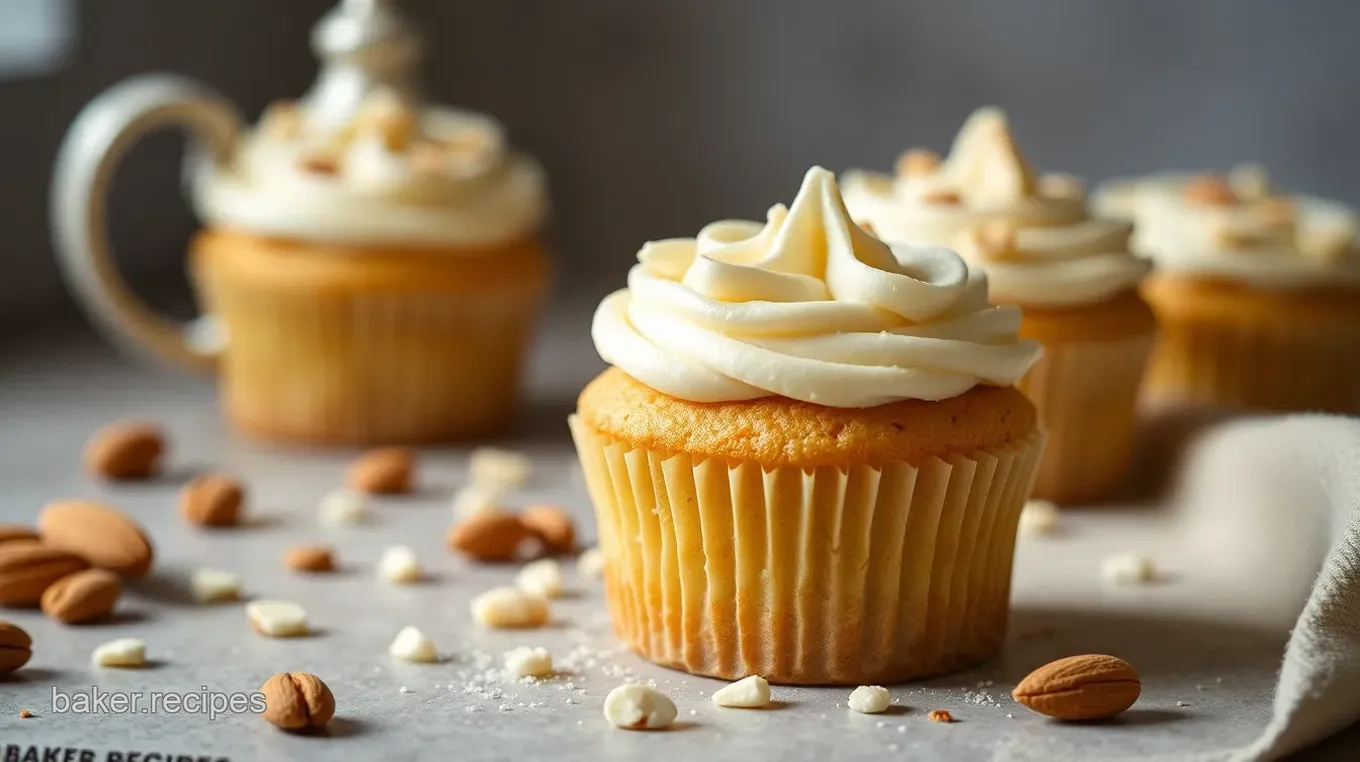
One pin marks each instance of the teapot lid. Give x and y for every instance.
(363, 46)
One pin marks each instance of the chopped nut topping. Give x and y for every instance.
(940, 715)
(918, 162)
(1210, 190)
(942, 198)
(321, 164)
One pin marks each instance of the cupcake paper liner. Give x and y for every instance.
(828, 575)
(1087, 397)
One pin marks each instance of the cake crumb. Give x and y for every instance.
(24, 713)
(940, 715)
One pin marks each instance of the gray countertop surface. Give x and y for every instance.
(1208, 660)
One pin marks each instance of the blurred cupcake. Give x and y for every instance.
(1072, 274)
(1258, 292)
(377, 276)
(807, 459)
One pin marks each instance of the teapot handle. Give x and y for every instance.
(98, 140)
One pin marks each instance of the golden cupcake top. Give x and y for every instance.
(1238, 227)
(1032, 233)
(811, 307)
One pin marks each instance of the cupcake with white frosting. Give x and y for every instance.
(1258, 291)
(1072, 273)
(377, 274)
(807, 458)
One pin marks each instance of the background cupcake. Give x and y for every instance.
(1258, 292)
(807, 461)
(1072, 274)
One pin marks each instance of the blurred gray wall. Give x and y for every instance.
(656, 117)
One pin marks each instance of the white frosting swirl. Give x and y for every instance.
(1265, 240)
(810, 307)
(1063, 256)
(394, 177)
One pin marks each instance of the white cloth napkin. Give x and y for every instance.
(1258, 481)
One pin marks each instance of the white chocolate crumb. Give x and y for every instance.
(529, 662)
(510, 607)
(343, 508)
(1127, 569)
(403, 689)
(636, 707)
(124, 652)
(477, 500)
(870, 699)
(399, 566)
(412, 645)
(214, 585)
(751, 692)
(496, 468)
(1182, 703)
(1039, 517)
(893, 747)
(277, 619)
(542, 578)
(591, 563)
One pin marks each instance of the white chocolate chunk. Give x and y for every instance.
(870, 699)
(529, 662)
(277, 619)
(591, 563)
(637, 707)
(1127, 569)
(124, 652)
(510, 608)
(213, 585)
(747, 693)
(399, 566)
(1038, 517)
(343, 508)
(475, 501)
(412, 645)
(542, 578)
(500, 469)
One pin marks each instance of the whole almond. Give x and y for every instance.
(10, 532)
(28, 568)
(213, 500)
(309, 558)
(16, 647)
(488, 536)
(1210, 190)
(552, 525)
(388, 471)
(82, 597)
(106, 537)
(1087, 687)
(125, 450)
(297, 700)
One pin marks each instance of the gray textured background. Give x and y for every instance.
(654, 118)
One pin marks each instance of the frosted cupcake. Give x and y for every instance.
(1071, 273)
(807, 460)
(1258, 292)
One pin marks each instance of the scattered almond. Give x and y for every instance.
(1210, 190)
(213, 500)
(310, 559)
(85, 596)
(918, 162)
(552, 525)
(751, 692)
(387, 471)
(488, 536)
(125, 450)
(1087, 687)
(9, 532)
(16, 647)
(106, 537)
(637, 707)
(25, 714)
(296, 700)
(940, 715)
(28, 568)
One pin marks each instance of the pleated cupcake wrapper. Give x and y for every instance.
(1255, 365)
(347, 368)
(826, 575)
(1087, 397)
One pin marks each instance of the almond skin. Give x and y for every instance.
(16, 647)
(297, 700)
(85, 596)
(212, 501)
(28, 568)
(488, 536)
(106, 537)
(1086, 687)
(388, 471)
(126, 450)
(552, 525)
(309, 558)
